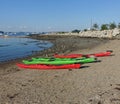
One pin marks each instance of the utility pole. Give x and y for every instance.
(91, 24)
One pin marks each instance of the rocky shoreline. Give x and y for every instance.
(66, 44)
(111, 34)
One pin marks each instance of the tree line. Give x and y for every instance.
(95, 26)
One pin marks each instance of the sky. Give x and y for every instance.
(56, 15)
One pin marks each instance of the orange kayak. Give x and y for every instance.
(100, 54)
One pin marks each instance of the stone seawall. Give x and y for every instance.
(100, 34)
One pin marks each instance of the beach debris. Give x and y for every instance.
(95, 100)
(117, 88)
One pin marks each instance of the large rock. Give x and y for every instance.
(116, 32)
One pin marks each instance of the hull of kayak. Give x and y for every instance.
(45, 67)
(54, 59)
(60, 62)
(100, 54)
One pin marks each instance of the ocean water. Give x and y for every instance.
(12, 48)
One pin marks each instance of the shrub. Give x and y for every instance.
(75, 31)
(104, 27)
(112, 25)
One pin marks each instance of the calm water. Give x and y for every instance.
(12, 48)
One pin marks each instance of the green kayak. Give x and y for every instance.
(60, 61)
(53, 59)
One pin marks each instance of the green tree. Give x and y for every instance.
(112, 25)
(95, 26)
(118, 25)
(104, 27)
(75, 31)
(85, 30)
(62, 32)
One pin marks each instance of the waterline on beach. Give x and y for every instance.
(12, 48)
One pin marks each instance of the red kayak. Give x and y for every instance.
(45, 67)
(100, 54)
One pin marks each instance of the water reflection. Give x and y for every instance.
(12, 48)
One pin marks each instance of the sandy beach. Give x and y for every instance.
(97, 83)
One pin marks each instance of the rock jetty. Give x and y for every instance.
(97, 33)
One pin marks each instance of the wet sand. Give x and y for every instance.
(96, 84)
